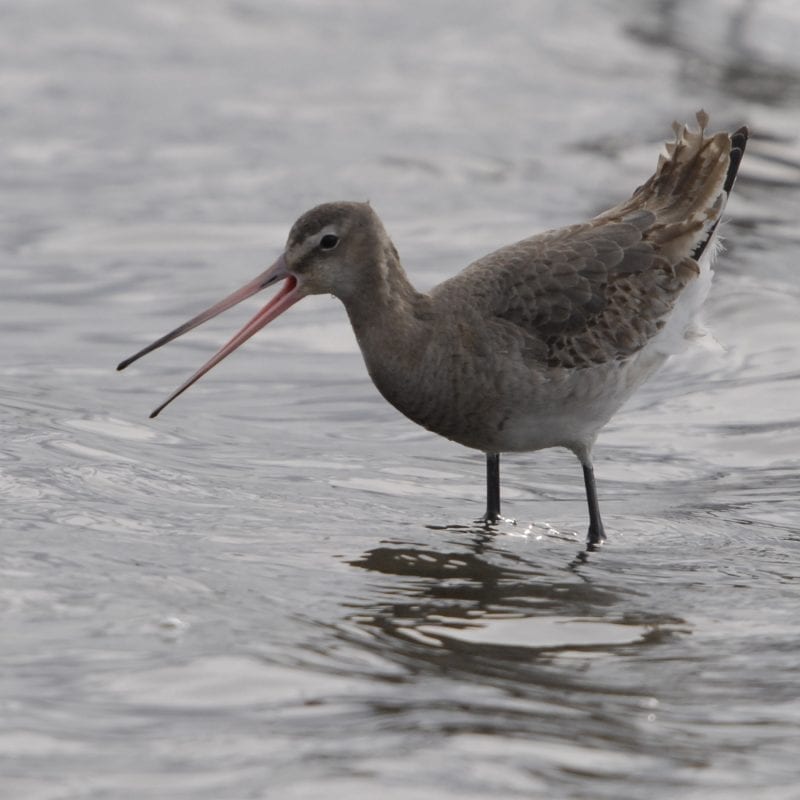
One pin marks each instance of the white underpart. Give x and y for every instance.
(683, 326)
(592, 396)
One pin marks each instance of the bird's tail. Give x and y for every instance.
(689, 189)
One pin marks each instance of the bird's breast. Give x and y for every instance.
(486, 392)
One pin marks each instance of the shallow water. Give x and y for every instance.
(275, 589)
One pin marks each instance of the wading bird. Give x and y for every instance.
(535, 345)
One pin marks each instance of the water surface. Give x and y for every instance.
(275, 589)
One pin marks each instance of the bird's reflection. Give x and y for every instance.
(468, 581)
(528, 635)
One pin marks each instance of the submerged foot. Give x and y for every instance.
(490, 520)
(596, 536)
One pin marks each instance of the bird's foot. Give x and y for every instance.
(490, 520)
(595, 537)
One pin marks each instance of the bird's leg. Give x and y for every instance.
(596, 532)
(492, 515)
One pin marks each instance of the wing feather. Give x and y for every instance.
(600, 291)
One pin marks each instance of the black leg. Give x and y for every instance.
(596, 532)
(492, 515)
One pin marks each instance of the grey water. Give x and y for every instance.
(275, 589)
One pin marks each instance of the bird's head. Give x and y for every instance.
(337, 248)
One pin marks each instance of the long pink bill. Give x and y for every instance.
(284, 299)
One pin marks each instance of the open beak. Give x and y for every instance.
(288, 295)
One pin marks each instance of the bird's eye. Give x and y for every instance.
(328, 241)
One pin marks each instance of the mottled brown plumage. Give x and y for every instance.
(536, 344)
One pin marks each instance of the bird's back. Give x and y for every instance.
(603, 290)
(580, 316)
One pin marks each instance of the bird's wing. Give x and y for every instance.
(582, 295)
(600, 291)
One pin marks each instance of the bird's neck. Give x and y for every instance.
(385, 305)
(392, 323)
(396, 330)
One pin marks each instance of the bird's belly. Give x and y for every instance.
(571, 407)
(506, 404)
(527, 410)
